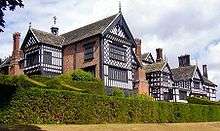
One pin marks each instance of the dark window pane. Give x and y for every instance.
(118, 74)
(88, 53)
(47, 58)
(117, 53)
(32, 59)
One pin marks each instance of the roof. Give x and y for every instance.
(145, 57)
(207, 81)
(158, 66)
(47, 38)
(88, 30)
(183, 73)
(5, 63)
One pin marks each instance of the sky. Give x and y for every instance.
(178, 26)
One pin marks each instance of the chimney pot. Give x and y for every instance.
(205, 71)
(159, 52)
(184, 60)
(138, 48)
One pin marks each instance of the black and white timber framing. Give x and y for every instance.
(39, 57)
(118, 55)
(161, 82)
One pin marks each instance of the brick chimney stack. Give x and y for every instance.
(141, 83)
(16, 41)
(184, 60)
(205, 71)
(159, 52)
(14, 68)
(138, 49)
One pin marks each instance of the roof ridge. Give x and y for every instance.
(46, 32)
(89, 24)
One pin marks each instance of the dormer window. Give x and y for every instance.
(88, 53)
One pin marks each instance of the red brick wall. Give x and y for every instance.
(73, 56)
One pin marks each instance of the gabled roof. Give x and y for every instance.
(47, 38)
(43, 37)
(88, 30)
(208, 82)
(158, 66)
(184, 73)
(147, 57)
(6, 62)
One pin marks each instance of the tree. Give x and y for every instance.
(8, 4)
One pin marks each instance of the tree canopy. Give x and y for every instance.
(8, 4)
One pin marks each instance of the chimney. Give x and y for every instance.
(159, 52)
(16, 41)
(14, 68)
(205, 71)
(184, 60)
(54, 30)
(138, 49)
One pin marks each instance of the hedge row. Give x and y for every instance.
(202, 101)
(44, 106)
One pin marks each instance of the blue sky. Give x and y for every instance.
(179, 27)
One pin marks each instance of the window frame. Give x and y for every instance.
(117, 52)
(47, 57)
(88, 51)
(118, 74)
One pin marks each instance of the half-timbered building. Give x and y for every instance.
(105, 48)
(208, 85)
(188, 78)
(160, 77)
(42, 53)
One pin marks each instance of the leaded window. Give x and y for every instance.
(88, 53)
(182, 95)
(196, 85)
(47, 57)
(32, 59)
(118, 74)
(117, 53)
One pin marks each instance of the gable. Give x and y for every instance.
(120, 28)
(148, 58)
(197, 74)
(166, 69)
(29, 40)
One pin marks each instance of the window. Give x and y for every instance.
(118, 74)
(47, 58)
(182, 95)
(117, 53)
(88, 53)
(32, 59)
(196, 85)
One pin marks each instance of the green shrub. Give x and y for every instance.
(142, 97)
(40, 78)
(203, 101)
(80, 75)
(116, 91)
(47, 106)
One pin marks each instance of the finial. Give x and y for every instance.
(29, 25)
(54, 20)
(119, 6)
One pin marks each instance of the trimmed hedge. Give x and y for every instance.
(66, 82)
(46, 106)
(202, 101)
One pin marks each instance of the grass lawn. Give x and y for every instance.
(209, 126)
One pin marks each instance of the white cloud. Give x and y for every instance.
(178, 26)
